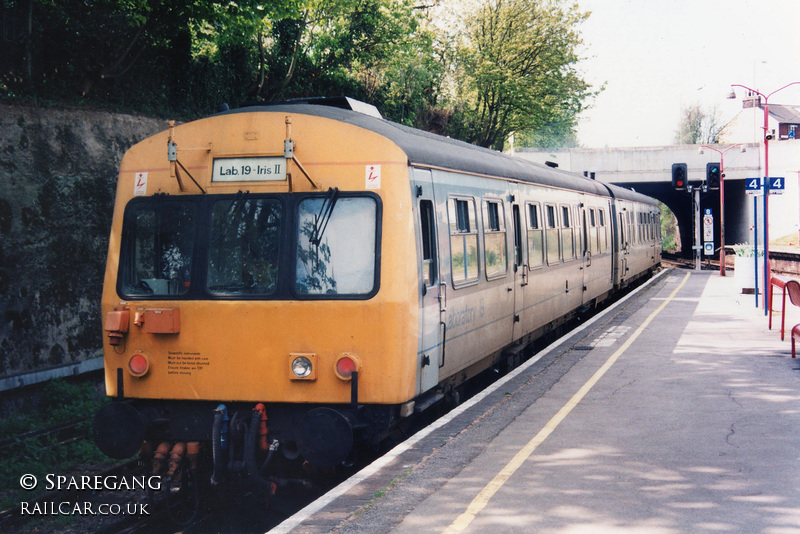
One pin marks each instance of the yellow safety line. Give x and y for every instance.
(480, 502)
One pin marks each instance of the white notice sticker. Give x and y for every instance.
(372, 177)
(140, 184)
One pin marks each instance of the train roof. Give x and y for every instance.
(431, 150)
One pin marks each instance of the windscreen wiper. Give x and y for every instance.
(322, 219)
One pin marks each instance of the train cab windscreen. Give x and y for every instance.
(250, 247)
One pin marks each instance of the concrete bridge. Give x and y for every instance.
(648, 170)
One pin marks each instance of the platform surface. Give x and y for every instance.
(676, 411)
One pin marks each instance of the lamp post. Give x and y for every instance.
(721, 200)
(767, 138)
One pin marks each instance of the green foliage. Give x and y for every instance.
(669, 229)
(61, 402)
(508, 66)
(515, 72)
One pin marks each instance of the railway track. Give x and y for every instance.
(49, 437)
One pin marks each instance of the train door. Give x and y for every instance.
(520, 268)
(623, 246)
(586, 251)
(430, 352)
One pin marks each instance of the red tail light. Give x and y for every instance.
(138, 365)
(346, 365)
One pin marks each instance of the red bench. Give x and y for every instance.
(786, 285)
(795, 336)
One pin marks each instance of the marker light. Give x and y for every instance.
(346, 365)
(301, 367)
(138, 365)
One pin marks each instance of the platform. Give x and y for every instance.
(677, 410)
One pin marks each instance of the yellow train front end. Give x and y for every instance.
(258, 275)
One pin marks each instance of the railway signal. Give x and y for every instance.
(679, 176)
(712, 175)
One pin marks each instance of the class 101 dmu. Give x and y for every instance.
(287, 283)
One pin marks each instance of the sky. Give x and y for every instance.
(657, 57)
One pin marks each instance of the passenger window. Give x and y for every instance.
(494, 239)
(463, 240)
(567, 238)
(551, 234)
(428, 229)
(535, 237)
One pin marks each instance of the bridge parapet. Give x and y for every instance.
(635, 165)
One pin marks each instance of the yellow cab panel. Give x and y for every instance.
(232, 250)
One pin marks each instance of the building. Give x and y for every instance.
(748, 125)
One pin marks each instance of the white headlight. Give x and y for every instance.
(301, 367)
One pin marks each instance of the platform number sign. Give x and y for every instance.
(752, 186)
(777, 185)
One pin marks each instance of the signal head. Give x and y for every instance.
(679, 176)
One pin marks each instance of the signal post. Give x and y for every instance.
(680, 181)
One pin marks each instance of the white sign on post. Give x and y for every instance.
(753, 186)
(708, 233)
(777, 185)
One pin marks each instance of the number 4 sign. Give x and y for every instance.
(777, 185)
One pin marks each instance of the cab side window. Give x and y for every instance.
(428, 230)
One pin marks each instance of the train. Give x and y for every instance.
(287, 283)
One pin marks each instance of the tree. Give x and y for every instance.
(698, 127)
(342, 46)
(515, 71)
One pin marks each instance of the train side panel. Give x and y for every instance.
(510, 258)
